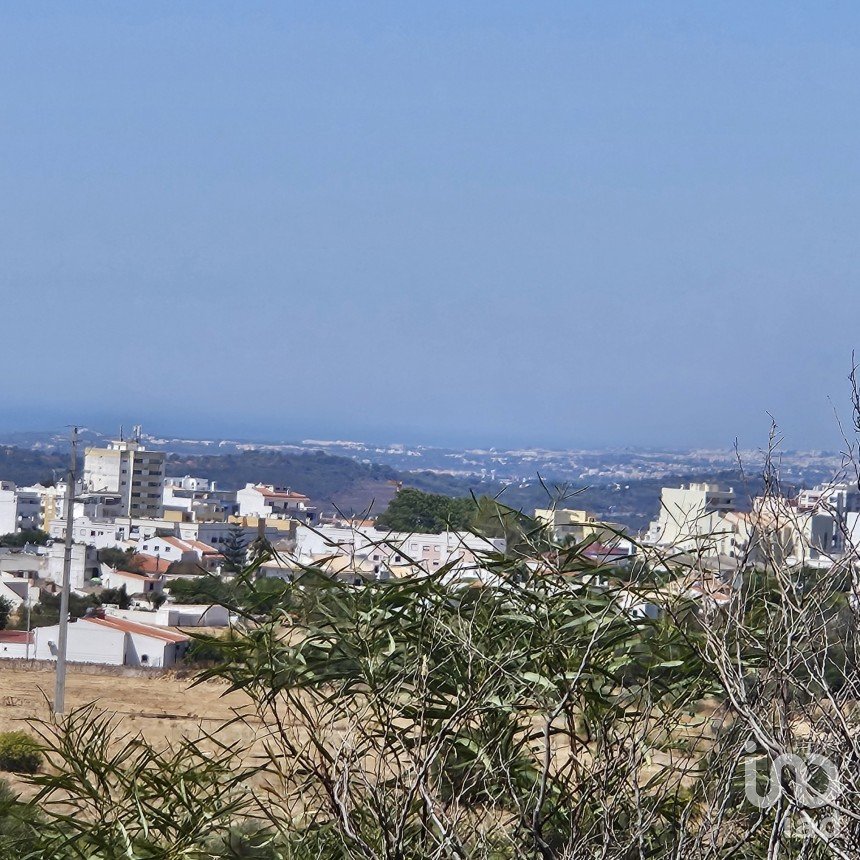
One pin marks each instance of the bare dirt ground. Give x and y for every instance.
(161, 706)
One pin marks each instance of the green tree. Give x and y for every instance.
(118, 596)
(522, 533)
(235, 549)
(23, 537)
(16, 820)
(113, 556)
(429, 513)
(6, 608)
(47, 611)
(202, 589)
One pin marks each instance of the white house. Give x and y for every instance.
(216, 534)
(268, 500)
(86, 643)
(15, 644)
(107, 532)
(383, 552)
(18, 591)
(189, 482)
(176, 549)
(113, 642)
(176, 615)
(135, 583)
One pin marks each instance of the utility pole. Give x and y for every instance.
(27, 647)
(62, 639)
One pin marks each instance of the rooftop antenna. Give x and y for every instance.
(63, 637)
(121, 437)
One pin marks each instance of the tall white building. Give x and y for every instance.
(690, 515)
(126, 469)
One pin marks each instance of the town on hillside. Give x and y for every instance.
(149, 554)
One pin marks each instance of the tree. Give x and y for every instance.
(204, 588)
(413, 511)
(118, 596)
(25, 536)
(117, 558)
(492, 519)
(235, 549)
(47, 611)
(6, 608)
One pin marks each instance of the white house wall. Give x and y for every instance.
(87, 643)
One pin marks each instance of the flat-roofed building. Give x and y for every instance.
(128, 470)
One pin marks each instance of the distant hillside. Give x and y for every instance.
(26, 467)
(330, 481)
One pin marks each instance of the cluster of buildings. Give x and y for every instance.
(818, 527)
(161, 529)
(169, 528)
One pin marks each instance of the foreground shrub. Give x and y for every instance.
(19, 753)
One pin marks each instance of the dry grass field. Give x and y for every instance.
(161, 706)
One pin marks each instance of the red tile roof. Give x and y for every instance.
(269, 493)
(180, 544)
(203, 548)
(149, 563)
(126, 626)
(15, 636)
(191, 546)
(136, 575)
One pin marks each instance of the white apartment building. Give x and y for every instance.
(701, 519)
(126, 469)
(84, 566)
(120, 532)
(197, 499)
(384, 552)
(189, 482)
(838, 498)
(838, 501)
(20, 508)
(691, 516)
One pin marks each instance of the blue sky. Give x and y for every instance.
(576, 224)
